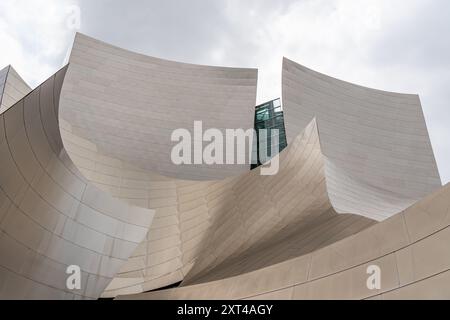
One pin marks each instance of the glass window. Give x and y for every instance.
(269, 116)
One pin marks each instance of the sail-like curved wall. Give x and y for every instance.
(51, 217)
(190, 214)
(410, 248)
(185, 213)
(86, 179)
(3, 78)
(129, 104)
(244, 223)
(379, 158)
(12, 88)
(118, 110)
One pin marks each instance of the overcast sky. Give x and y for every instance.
(395, 45)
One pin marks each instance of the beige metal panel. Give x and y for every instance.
(128, 105)
(266, 212)
(379, 240)
(3, 76)
(283, 294)
(350, 284)
(42, 199)
(433, 288)
(229, 227)
(379, 159)
(157, 259)
(414, 268)
(204, 231)
(12, 88)
(159, 256)
(68, 189)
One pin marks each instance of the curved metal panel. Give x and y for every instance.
(410, 248)
(12, 88)
(240, 224)
(50, 216)
(379, 159)
(79, 185)
(129, 104)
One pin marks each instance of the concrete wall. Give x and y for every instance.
(379, 159)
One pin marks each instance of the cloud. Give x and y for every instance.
(34, 36)
(173, 29)
(399, 45)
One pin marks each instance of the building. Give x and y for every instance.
(86, 179)
(268, 116)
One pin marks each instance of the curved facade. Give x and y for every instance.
(51, 216)
(378, 153)
(225, 227)
(411, 249)
(12, 88)
(189, 214)
(129, 104)
(86, 179)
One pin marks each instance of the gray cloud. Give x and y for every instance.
(417, 48)
(181, 30)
